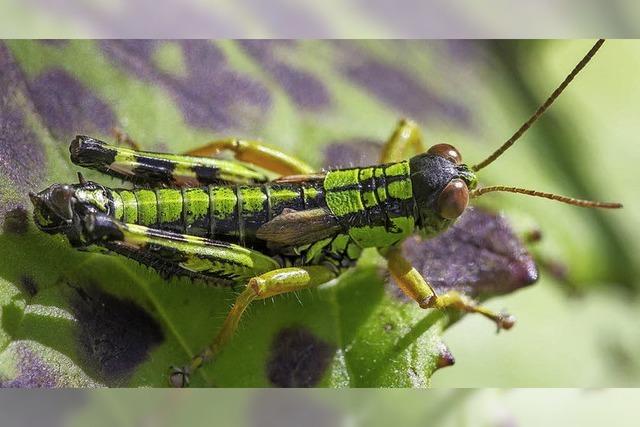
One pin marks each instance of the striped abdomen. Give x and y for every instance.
(232, 212)
(375, 204)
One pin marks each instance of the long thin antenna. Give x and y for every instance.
(540, 109)
(569, 200)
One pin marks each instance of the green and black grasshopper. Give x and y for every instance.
(229, 223)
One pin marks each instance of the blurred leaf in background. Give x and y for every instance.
(75, 319)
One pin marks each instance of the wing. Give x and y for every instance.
(296, 228)
(147, 168)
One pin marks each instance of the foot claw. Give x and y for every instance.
(505, 321)
(179, 377)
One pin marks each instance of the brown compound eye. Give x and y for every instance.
(447, 151)
(453, 200)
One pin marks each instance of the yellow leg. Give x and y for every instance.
(267, 285)
(417, 288)
(406, 136)
(247, 151)
(255, 153)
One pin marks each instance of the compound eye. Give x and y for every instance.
(447, 151)
(453, 200)
(61, 200)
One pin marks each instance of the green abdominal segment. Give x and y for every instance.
(375, 203)
(374, 206)
(230, 212)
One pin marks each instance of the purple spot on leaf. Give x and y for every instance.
(29, 285)
(16, 221)
(218, 90)
(211, 96)
(68, 107)
(479, 255)
(203, 58)
(469, 51)
(33, 372)
(396, 87)
(355, 152)
(115, 335)
(21, 156)
(298, 358)
(304, 88)
(133, 55)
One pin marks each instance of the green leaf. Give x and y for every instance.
(78, 319)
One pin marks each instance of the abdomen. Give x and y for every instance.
(226, 212)
(374, 205)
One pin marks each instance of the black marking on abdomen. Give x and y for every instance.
(239, 219)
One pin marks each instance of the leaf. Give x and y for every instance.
(78, 319)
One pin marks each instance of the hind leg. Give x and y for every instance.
(159, 169)
(244, 150)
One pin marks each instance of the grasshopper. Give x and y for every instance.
(228, 223)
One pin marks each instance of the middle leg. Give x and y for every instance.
(267, 285)
(406, 136)
(417, 288)
(255, 153)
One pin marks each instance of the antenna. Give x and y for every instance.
(540, 109)
(564, 199)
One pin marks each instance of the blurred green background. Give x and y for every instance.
(301, 97)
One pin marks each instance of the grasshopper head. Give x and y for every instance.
(441, 185)
(53, 208)
(60, 208)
